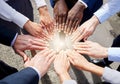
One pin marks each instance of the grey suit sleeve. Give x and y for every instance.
(111, 76)
(25, 76)
(69, 82)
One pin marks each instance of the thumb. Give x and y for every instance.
(23, 55)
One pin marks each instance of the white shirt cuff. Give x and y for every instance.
(13, 41)
(36, 71)
(19, 19)
(69, 82)
(40, 3)
(83, 3)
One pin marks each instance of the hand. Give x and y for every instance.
(35, 29)
(77, 60)
(45, 19)
(27, 42)
(81, 63)
(92, 49)
(41, 61)
(60, 14)
(62, 65)
(85, 30)
(74, 17)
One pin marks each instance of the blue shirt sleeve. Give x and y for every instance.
(114, 54)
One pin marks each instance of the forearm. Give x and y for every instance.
(94, 69)
(9, 14)
(108, 10)
(64, 76)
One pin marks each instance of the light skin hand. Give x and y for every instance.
(85, 30)
(60, 14)
(45, 19)
(27, 42)
(41, 61)
(62, 65)
(35, 29)
(92, 49)
(79, 61)
(74, 17)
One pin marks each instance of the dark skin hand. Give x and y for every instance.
(74, 17)
(60, 14)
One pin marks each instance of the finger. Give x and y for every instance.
(72, 27)
(51, 60)
(66, 25)
(63, 22)
(35, 47)
(57, 22)
(47, 52)
(50, 55)
(79, 36)
(71, 60)
(38, 42)
(69, 26)
(43, 51)
(76, 25)
(23, 55)
(83, 52)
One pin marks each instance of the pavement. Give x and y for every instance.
(104, 35)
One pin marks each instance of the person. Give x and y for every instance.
(87, 28)
(18, 15)
(34, 69)
(20, 44)
(79, 61)
(62, 66)
(70, 13)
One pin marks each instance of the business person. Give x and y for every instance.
(79, 61)
(87, 28)
(19, 14)
(70, 13)
(62, 66)
(35, 68)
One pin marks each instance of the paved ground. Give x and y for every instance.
(104, 35)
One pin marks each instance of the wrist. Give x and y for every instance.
(43, 9)
(95, 69)
(64, 76)
(27, 25)
(105, 53)
(95, 19)
(80, 6)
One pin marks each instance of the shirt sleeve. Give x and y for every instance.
(111, 76)
(107, 10)
(83, 3)
(40, 3)
(114, 54)
(69, 82)
(9, 14)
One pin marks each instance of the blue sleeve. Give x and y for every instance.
(114, 54)
(25, 76)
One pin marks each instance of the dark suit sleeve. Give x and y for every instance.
(93, 4)
(25, 76)
(6, 35)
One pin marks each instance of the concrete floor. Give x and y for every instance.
(102, 35)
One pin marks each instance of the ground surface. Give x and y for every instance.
(104, 35)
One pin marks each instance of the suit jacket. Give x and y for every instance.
(7, 34)
(25, 76)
